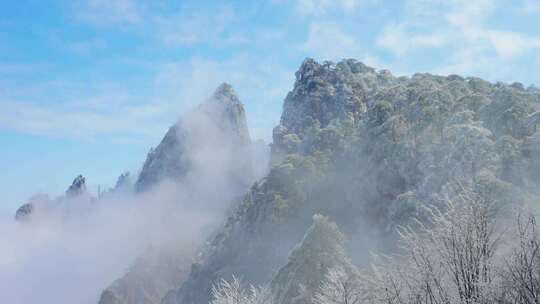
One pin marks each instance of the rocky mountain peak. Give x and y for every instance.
(24, 212)
(35, 204)
(311, 68)
(328, 93)
(42, 203)
(228, 111)
(209, 145)
(308, 68)
(225, 92)
(221, 117)
(123, 181)
(77, 188)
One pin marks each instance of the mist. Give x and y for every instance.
(70, 249)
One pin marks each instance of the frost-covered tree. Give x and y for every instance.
(509, 150)
(448, 260)
(338, 287)
(522, 269)
(507, 113)
(232, 292)
(470, 149)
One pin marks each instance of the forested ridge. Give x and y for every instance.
(379, 155)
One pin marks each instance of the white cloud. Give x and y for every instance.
(10, 69)
(104, 12)
(324, 7)
(530, 6)
(120, 113)
(87, 47)
(396, 39)
(320, 7)
(511, 44)
(218, 26)
(463, 13)
(127, 122)
(88, 110)
(190, 28)
(171, 26)
(329, 41)
(463, 29)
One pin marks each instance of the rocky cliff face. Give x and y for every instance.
(369, 150)
(165, 161)
(157, 271)
(226, 110)
(326, 93)
(207, 156)
(77, 188)
(221, 117)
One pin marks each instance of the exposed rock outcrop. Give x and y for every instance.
(77, 188)
(24, 212)
(222, 117)
(208, 155)
(326, 93)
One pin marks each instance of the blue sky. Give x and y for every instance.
(88, 86)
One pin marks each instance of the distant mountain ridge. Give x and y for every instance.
(77, 191)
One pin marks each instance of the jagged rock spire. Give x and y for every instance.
(209, 145)
(24, 212)
(77, 188)
(223, 113)
(226, 92)
(230, 112)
